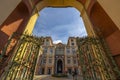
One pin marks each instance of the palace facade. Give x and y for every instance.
(58, 58)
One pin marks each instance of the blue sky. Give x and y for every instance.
(60, 24)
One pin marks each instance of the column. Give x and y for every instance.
(31, 23)
(87, 23)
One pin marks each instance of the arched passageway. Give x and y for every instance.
(59, 66)
(95, 19)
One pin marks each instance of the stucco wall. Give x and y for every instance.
(6, 7)
(112, 8)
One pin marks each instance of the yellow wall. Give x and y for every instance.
(31, 24)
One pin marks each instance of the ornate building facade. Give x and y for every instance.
(58, 58)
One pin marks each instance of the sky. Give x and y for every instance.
(60, 24)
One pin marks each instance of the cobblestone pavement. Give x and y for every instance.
(49, 77)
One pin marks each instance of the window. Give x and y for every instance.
(45, 50)
(71, 40)
(50, 60)
(68, 61)
(74, 61)
(72, 44)
(44, 60)
(68, 50)
(51, 50)
(73, 50)
(47, 42)
(59, 50)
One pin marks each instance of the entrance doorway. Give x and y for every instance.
(70, 71)
(49, 71)
(59, 66)
(42, 72)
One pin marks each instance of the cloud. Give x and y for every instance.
(57, 41)
(59, 24)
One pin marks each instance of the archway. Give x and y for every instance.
(94, 22)
(81, 6)
(59, 66)
(38, 5)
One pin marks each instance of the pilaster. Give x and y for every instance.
(87, 23)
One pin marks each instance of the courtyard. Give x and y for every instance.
(49, 77)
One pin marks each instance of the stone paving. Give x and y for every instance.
(49, 77)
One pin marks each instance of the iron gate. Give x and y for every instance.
(19, 57)
(95, 60)
(22, 57)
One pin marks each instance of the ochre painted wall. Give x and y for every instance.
(114, 43)
(101, 20)
(6, 8)
(112, 8)
(15, 22)
(105, 27)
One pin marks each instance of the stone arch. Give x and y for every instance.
(60, 3)
(95, 19)
(18, 19)
(63, 3)
(96, 14)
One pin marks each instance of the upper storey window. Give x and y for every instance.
(74, 61)
(51, 50)
(73, 50)
(67, 50)
(45, 50)
(59, 51)
(47, 42)
(50, 60)
(71, 40)
(72, 44)
(68, 60)
(44, 61)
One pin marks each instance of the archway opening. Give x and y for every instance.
(60, 24)
(59, 66)
(57, 3)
